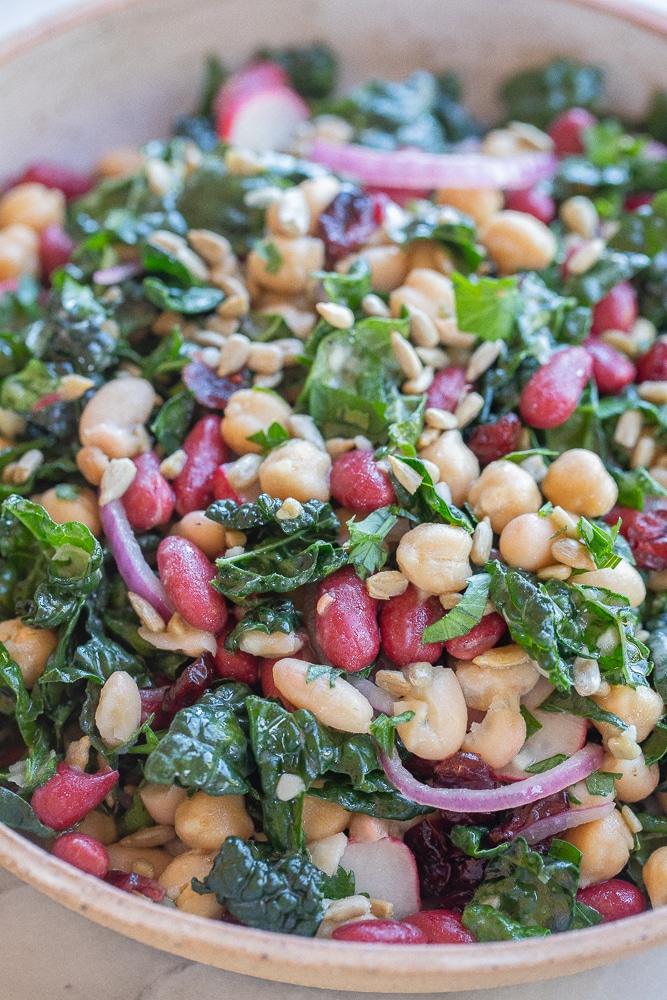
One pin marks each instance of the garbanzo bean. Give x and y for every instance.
(503, 492)
(296, 259)
(637, 780)
(323, 819)
(162, 801)
(605, 846)
(438, 726)
(517, 241)
(388, 264)
(640, 707)
(29, 647)
(622, 579)
(526, 540)
(458, 465)
(82, 507)
(18, 252)
(248, 412)
(578, 481)
(207, 535)
(479, 203)
(434, 557)
(500, 735)
(654, 874)
(297, 469)
(32, 205)
(204, 821)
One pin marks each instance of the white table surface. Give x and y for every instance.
(49, 953)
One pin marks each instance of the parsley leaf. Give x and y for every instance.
(465, 615)
(366, 552)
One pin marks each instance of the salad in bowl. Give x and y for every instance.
(333, 558)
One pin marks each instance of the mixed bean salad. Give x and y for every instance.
(333, 554)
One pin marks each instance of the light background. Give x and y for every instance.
(49, 953)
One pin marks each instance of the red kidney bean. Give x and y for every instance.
(612, 371)
(533, 201)
(186, 576)
(70, 794)
(73, 183)
(551, 395)
(83, 852)
(238, 666)
(441, 926)
(489, 442)
(149, 499)
(221, 487)
(485, 635)
(614, 899)
(346, 624)
(402, 622)
(618, 310)
(189, 686)
(55, 248)
(566, 130)
(269, 689)
(131, 882)
(446, 388)
(205, 451)
(652, 366)
(380, 932)
(358, 483)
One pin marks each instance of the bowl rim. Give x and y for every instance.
(281, 957)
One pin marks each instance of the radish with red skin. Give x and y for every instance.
(445, 390)
(385, 869)
(441, 926)
(149, 499)
(346, 624)
(256, 109)
(380, 932)
(567, 130)
(186, 576)
(205, 450)
(485, 635)
(533, 201)
(552, 394)
(359, 484)
(238, 665)
(618, 310)
(402, 621)
(561, 732)
(612, 371)
(613, 899)
(83, 852)
(70, 794)
(55, 249)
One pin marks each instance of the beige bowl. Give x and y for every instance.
(116, 72)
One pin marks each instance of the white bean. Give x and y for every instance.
(440, 717)
(336, 704)
(118, 714)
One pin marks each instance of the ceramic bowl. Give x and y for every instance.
(117, 72)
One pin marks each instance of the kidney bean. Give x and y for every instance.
(73, 183)
(446, 388)
(189, 686)
(238, 666)
(612, 371)
(485, 635)
(618, 310)
(551, 395)
(186, 576)
(149, 499)
(534, 201)
(614, 899)
(402, 622)
(346, 621)
(70, 794)
(380, 932)
(358, 483)
(269, 689)
(221, 487)
(489, 442)
(205, 451)
(83, 852)
(441, 926)
(652, 366)
(55, 248)
(131, 882)
(567, 129)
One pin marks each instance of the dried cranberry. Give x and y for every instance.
(489, 442)
(151, 704)
(131, 882)
(430, 847)
(209, 388)
(525, 816)
(463, 770)
(347, 223)
(190, 685)
(646, 534)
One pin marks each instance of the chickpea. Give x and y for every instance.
(298, 258)
(176, 879)
(526, 540)
(623, 579)
(640, 707)
(297, 469)
(113, 419)
(118, 714)
(248, 412)
(207, 535)
(637, 781)
(479, 203)
(120, 162)
(425, 289)
(516, 241)
(438, 726)
(319, 192)
(162, 801)
(503, 492)
(581, 798)
(204, 821)
(18, 252)
(29, 647)
(127, 859)
(458, 465)
(483, 685)
(605, 846)
(92, 463)
(654, 874)
(434, 557)
(500, 735)
(578, 481)
(336, 704)
(323, 819)
(388, 266)
(83, 507)
(368, 828)
(32, 205)
(99, 825)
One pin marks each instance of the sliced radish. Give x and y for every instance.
(414, 169)
(385, 869)
(560, 733)
(257, 110)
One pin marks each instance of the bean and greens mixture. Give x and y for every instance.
(333, 542)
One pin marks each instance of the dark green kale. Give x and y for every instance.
(312, 69)
(18, 814)
(539, 95)
(446, 226)
(268, 615)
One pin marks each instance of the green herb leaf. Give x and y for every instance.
(268, 615)
(268, 440)
(545, 765)
(189, 301)
(383, 729)
(467, 613)
(601, 782)
(532, 725)
(367, 552)
(18, 814)
(487, 307)
(600, 542)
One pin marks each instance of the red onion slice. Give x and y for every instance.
(381, 700)
(550, 826)
(132, 566)
(415, 169)
(114, 275)
(483, 800)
